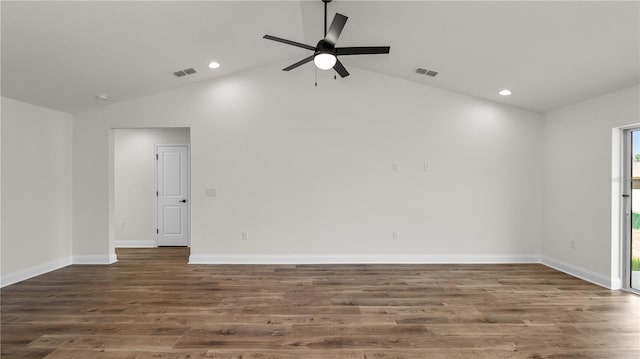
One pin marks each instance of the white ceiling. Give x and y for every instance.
(61, 54)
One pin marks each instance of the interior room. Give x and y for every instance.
(457, 181)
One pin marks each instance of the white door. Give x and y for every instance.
(173, 195)
(631, 210)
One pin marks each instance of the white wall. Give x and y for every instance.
(307, 171)
(36, 190)
(134, 175)
(577, 184)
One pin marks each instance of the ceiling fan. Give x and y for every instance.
(325, 53)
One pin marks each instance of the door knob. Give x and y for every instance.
(183, 201)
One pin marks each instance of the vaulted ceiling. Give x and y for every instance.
(61, 55)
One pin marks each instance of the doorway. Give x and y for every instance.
(134, 217)
(631, 203)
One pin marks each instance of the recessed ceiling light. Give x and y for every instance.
(102, 97)
(214, 65)
(505, 92)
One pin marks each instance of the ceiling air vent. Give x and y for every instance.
(185, 72)
(426, 72)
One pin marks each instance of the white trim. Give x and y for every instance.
(95, 259)
(362, 259)
(24, 274)
(136, 244)
(570, 269)
(582, 273)
(155, 228)
(616, 283)
(620, 184)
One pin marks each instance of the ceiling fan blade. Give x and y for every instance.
(289, 42)
(363, 50)
(340, 69)
(299, 63)
(335, 29)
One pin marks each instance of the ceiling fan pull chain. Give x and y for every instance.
(316, 72)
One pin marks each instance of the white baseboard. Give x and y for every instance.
(95, 259)
(40, 269)
(573, 270)
(582, 273)
(361, 259)
(24, 274)
(135, 244)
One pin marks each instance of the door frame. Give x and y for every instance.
(626, 206)
(155, 186)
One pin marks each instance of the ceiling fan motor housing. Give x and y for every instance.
(324, 48)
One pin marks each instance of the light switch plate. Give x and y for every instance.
(210, 192)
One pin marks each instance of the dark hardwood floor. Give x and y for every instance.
(152, 305)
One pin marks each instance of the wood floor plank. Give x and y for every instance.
(153, 305)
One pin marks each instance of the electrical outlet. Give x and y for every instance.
(245, 235)
(572, 243)
(210, 192)
(395, 235)
(426, 167)
(395, 167)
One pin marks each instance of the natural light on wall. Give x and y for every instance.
(485, 120)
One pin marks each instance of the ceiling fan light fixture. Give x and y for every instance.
(324, 60)
(325, 53)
